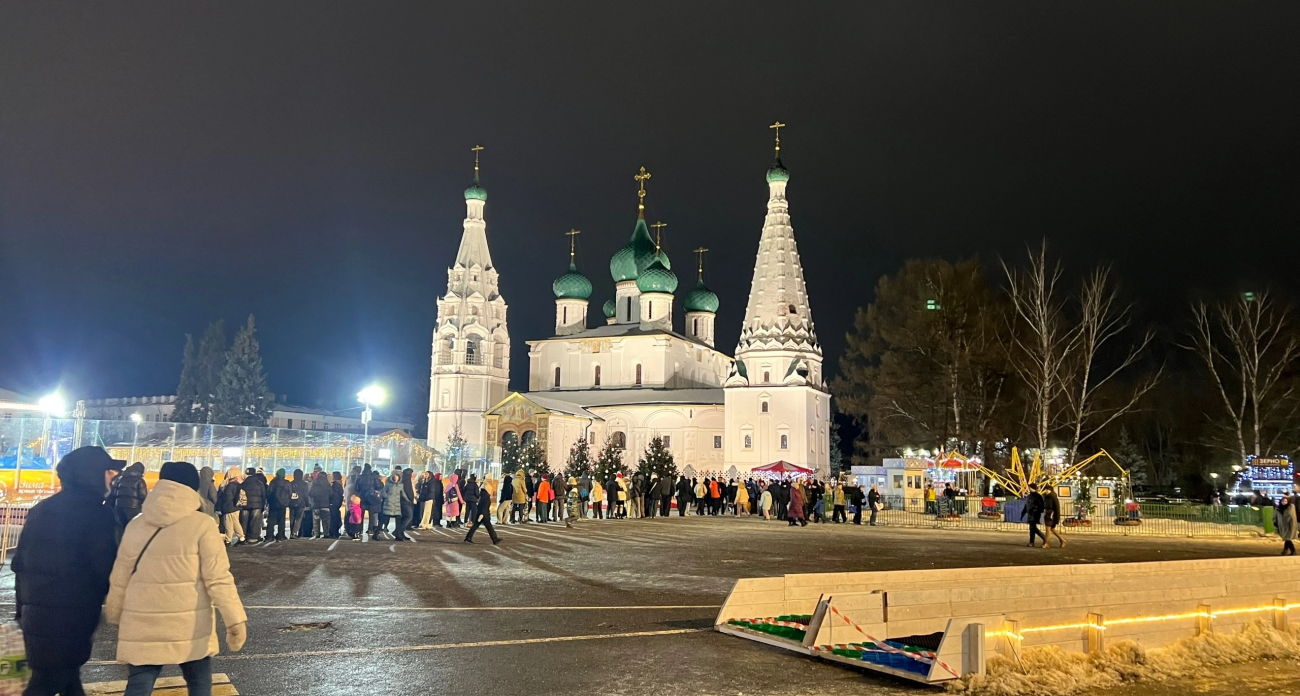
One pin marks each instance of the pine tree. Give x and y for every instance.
(208, 365)
(837, 455)
(187, 392)
(512, 456)
(533, 457)
(1129, 456)
(579, 463)
(242, 393)
(608, 462)
(657, 460)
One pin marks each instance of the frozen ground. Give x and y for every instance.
(611, 607)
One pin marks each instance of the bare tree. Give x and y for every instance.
(1058, 356)
(1247, 347)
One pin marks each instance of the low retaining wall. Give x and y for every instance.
(1074, 607)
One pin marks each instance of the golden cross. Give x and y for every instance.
(640, 195)
(573, 236)
(659, 229)
(479, 148)
(700, 252)
(777, 127)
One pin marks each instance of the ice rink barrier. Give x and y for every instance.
(937, 625)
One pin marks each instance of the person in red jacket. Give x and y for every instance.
(544, 498)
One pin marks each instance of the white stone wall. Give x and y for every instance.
(799, 413)
(666, 361)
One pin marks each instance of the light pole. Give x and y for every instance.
(135, 418)
(51, 405)
(372, 395)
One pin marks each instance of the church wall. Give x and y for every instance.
(800, 414)
(691, 432)
(665, 362)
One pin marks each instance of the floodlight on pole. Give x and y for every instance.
(372, 395)
(53, 405)
(135, 419)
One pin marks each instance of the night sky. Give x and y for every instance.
(165, 164)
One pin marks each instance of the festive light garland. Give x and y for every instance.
(1143, 619)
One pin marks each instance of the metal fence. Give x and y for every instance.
(1149, 519)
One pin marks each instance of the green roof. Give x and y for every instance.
(777, 172)
(657, 278)
(572, 285)
(630, 261)
(701, 299)
(476, 192)
(609, 309)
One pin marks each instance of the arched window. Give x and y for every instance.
(629, 309)
(508, 438)
(619, 439)
(695, 327)
(785, 442)
(557, 377)
(564, 311)
(767, 376)
(763, 407)
(638, 374)
(749, 442)
(471, 351)
(793, 310)
(595, 380)
(529, 437)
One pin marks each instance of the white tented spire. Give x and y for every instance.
(778, 316)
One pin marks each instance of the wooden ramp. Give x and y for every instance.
(165, 686)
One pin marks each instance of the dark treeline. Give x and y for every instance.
(980, 358)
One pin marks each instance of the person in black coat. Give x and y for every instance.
(370, 488)
(336, 504)
(61, 569)
(299, 505)
(250, 518)
(435, 494)
(470, 492)
(279, 495)
(1035, 506)
(318, 496)
(684, 493)
(126, 495)
(481, 516)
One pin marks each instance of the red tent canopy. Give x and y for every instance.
(782, 467)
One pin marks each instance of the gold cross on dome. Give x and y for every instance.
(476, 149)
(659, 230)
(573, 237)
(700, 253)
(641, 178)
(777, 127)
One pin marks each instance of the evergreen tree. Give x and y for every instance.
(608, 462)
(242, 393)
(457, 448)
(1128, 455)
(837, 455)
(208, 365)
(579, 463)
(512, 456)
(657, 459)
(187, 392)
(533, 457)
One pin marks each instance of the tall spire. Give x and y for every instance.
(641, 177)
(778, 317)
(473, 241)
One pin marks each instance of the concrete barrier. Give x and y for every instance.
(1074, 607)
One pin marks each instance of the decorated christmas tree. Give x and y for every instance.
(608, 462)
(579, 463)
(457, 450)
(511, 456)
(657, 460)
(533, 457)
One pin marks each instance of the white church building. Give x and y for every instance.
(637, 376)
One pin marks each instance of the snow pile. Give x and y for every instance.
(1051, 671)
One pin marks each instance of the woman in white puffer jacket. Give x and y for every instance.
(171, 570)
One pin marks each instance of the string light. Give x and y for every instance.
(1142, 619)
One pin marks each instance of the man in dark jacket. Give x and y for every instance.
(470, 492)
(856, 498)
(873, 501)
(61, 569)
(481, 516)
(1034, 508)
(250, 518)
(665, 495)
(126, 495)
(370, 488)
(336, 504)
(278, 493)
(318, 495)
(299, 504)
(436, 495)
(684, 493)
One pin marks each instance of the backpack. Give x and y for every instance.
(452, 495)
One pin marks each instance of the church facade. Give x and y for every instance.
(637, 376)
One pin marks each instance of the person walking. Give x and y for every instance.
(171, 572)
(370, 488)
(505, 498)
(336, 505)
(1033, 512)
(278, 493)
(127, 495)
(873, 501)
(481, 517)
(452, 495)
(1284, 521)
(250, 516)
(208, 492)
(471, 492)
(742, 500)
(318, 496)
(230, 500)
(61, 569)
(795, 513)
(858, 499)
(838, 502)
(765, 501)
(406, 509)
(1051, 517)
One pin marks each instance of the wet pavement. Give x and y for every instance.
(610, 607)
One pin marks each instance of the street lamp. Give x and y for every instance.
(135, 418)
(372, 395)
(53, 405)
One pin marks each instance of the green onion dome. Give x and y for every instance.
(777, 172)
(701, 299)
(476, 192)
(609, 309)
(635, 256)
(572, 285)
(657, 278)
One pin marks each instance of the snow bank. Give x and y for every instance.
(1051, 671)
